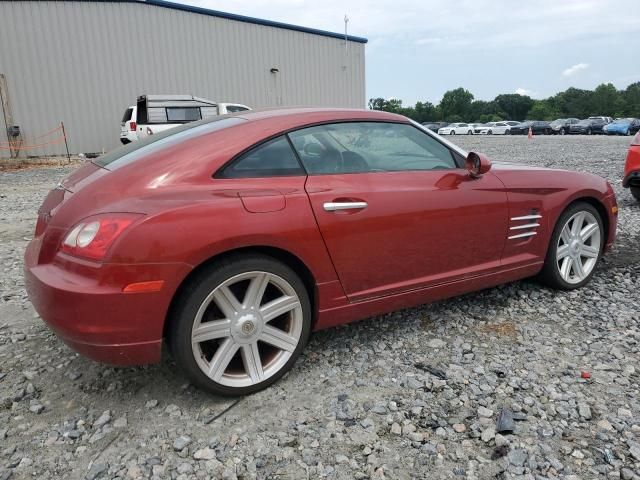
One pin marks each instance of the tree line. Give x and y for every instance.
(459, 105)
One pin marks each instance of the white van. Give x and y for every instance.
(156, 113)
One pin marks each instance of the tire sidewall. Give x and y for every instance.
(635, 192)
(550, 272)
(192, 296)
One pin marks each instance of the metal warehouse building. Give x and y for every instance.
(84, 62)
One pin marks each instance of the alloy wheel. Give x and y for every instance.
(578, 247)
(247, 328)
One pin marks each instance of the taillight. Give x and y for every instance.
(133, 126)
(92, 237)
(636, 139)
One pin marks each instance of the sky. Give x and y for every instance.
(419, 49)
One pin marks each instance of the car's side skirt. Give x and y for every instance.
(349, 312)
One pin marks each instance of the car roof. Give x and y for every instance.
(303, 115)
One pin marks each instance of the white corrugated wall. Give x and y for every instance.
(84, 62)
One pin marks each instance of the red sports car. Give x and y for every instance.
(232, 239)
(632, 168)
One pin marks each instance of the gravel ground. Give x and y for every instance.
(483, 386)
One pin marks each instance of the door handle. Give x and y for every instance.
(333, 206)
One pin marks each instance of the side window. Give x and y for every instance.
(358, 147)
(270, 159)
(235, 108)
(183, 114)
(462, 124)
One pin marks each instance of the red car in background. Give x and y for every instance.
(233, 238)
(632, 168)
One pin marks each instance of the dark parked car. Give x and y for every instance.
(588, 126)
(434, 126)
(537, 128)
(562, 125)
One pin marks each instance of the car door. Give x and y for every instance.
(396, 210)
(500, 128)
(461, 128)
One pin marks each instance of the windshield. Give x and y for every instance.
(153, 143)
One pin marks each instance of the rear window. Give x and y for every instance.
(136, 150)
(127, 115)
(183, 114)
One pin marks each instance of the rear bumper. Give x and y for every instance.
(88, 311)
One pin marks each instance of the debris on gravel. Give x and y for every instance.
(488, 385)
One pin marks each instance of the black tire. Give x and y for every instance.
(452, 132)
(635, 191)
(550, 274)
(470, 132)
(507, 132)
(183, 314)
(562, 132)
(489, 132)
(589, 132)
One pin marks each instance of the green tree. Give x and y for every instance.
(631, 101)
(573, 102)
(456, 102)
(605, 100)
(542, 110)
(514, 105)
(425, 112)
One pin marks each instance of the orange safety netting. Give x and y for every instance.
(18, 145)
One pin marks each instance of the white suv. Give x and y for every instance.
(156, 113)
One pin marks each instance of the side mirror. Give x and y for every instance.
(477, 164)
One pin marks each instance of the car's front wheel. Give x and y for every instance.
(240, 324)
(635, 191)
(575, 248)
(562, 132)
(452, 132)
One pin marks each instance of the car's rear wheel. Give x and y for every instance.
(240, 324)
(470, 132)
(635, 191)
(575, 248)
(507, 132)
(489, 132)
(452, 132)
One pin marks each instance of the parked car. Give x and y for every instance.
(587, 126)
(622, 126)
(631, 178)
(604, 119)
(435, 126)
(493, 128)
(537, 128)
(234, 237)
(128, 126)
(155, 113)
(456, 129)
(561, 126)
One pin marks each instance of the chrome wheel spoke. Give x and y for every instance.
(256, 289)
(563, 251)
(578, 221)
(565, 234)
(578, 270)
(220, 361)
(589, 251)
(587, 232)
(565, 269)
(211, 330)
(226, 301)
(252, 362)
(278, 338)
(278, 307)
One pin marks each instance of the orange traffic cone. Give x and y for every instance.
(530, 134)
